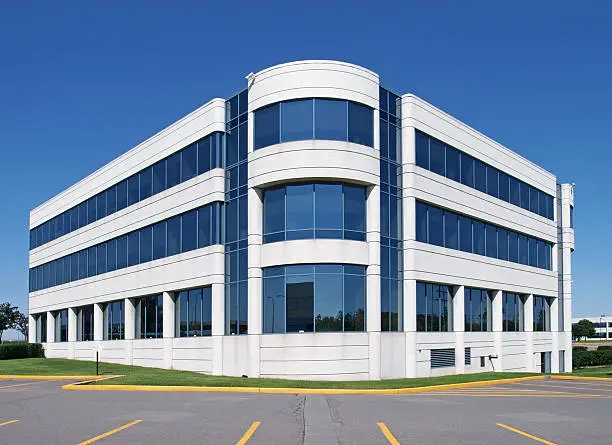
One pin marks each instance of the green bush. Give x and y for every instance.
(582, 359)
(604, 348)
(10, 351)
(579, 348)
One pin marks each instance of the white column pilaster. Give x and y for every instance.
(554, 329)
(50, 327)
(72, 324)
(410, 327)
(98, 315)
(31, 329)
(528, 328)
(498, 329)
(130, 319)
(373, 294)
(459, 328)
(169, 327)
(218, 326)
(255, 299)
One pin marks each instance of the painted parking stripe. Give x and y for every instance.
(8, 422)
(244, 439)
(523, 433)
(109, 433)
(390, 437)
(552, 385)
(25, 384)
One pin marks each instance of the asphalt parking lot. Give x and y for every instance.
(550, 412)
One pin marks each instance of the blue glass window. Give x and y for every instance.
(515, 191)
(101, 204)
(533, 199)
(328, 210)
(159, 177)
(434, 307)
(513, 247)
(111, 201)
(146, 183)
(452, 163)
(451, 228)
(204, 155)
(524, 195)
(82, 265)
(146, 244)
(354, 212)
(360, 124)
(533, 252)
(571, 217)
(122, 196)
(436, 226)
(542, 206)
(300, 212)
(331, 119)
(159, 240)
(422, 150)
(122, 252)
(173, 245)
(437, 157)
(421, 222)
(91, 210)
(267, 126)
(204, 226)
(297, 120)
(189, 231)
(504, 187)
(478, 228)
(101, 266)
(480, 175)
(465, 234)
(92, 258)
(502, 244)
(523, 249)
(133, 241)
(492, 181)
(491, 240)
(173, 170)
(467, 170)
(111, 255)
(189, 160)
(133, 190)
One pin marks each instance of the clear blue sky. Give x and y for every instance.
(80, 85)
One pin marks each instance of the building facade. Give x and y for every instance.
(602, 324)
(314, 226)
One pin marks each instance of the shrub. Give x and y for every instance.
(604, 348)
(579, 348)
(10, 351)
(582, 359)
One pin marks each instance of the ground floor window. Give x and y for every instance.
(541, 313)
(61, 325)
(41, 328)
(314, 298)
(114, 320)
(85, 323)
(477, 309)
(434, 306)
(512, 310)
(149, 316)
(194, 312)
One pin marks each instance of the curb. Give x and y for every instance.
(50, 377)
(83, 386)
(571, 377)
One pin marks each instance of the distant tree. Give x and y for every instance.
(583, 329)
(21, 324)
(8, 317)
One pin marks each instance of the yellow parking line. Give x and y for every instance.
(390, 437)
(560, 386)
(108, 433)
(523, 433)
(25, 384)
(8, 422)
(244, 439)
(483, 394)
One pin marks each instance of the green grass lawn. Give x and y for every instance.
(595, 371)
(135, 375)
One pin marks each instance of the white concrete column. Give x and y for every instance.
(410, 327)
(554, 329)
(255, 237)
(72, 324)
(373, 304)
(169, 315)
(50, 327)
(129, 319)
(528, 328)
(498, 328)
(459, 328)
(218, 326)
(31, 329)
(98, 316)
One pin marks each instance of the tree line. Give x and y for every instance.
(12, 318)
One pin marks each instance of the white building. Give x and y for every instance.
(603, 326)
(314, 226)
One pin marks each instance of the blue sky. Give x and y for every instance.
(80, 85)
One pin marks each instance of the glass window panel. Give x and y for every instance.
(384, 140)
(74, 221)
(394, 145)
(533, 252)
(267, 126)
(300, 207)
(189, 231)
(422, 150)
(360, 124)
(515, 191)
(502, 244)
(542, 254)
(111, 200)
(231, 147)
(300, 303)
(122, 252)
(133, 190)
(354, 208)
(478, 228)
(159, 240)
(480, 175)
(328, 206)
(146, 244)
(173, 170)
(491, 241)
(122, 199)
(204, 164)
(384, 214)
(354, 303)
(523, 249)
(189, 161)
(328, 302)
(91, 261)
(492, 181)
(111, 255)
(421, 222)
(465, 233)
(504, 186)
(451, 221)
(204, 226)
(542, 205)
(513, 249)
(524, 195)
(101, 266)
(82, 221)
(533, 199)
(436, 226)
(297, 120)
(91, 210)
(467, 170)
(331, 119)
(133, 240)
(159, 177)
(101, 204)
(146, 183)
(452, 163)
(173, 236)
(243, 229)
(182, 307)
(437, 156)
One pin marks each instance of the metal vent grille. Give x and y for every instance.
(443, 358)
(468, 356)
